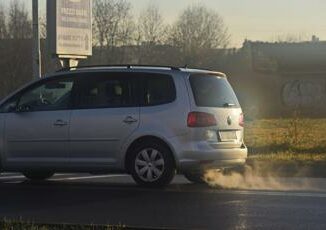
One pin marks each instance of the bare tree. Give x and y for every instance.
(16, 29)
(291, 38)
(3, 27)
(198, 29)
(124, 25)
(112, 27)
(102, 16)
(19, 23)
(112, 22)
(151, 26)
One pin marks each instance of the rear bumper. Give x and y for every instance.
(193, 161)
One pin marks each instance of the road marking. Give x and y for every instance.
(14, 182)
(64, 174)
(19, 176)
(8, 174)
(87, 177)
(11, 177)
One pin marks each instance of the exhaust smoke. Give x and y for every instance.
(259, 177)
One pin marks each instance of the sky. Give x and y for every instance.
(263, 20)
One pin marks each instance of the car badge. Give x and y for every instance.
(229, 120)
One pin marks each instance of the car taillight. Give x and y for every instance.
(201, 119)
(241, 120)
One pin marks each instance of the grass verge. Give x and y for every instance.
(288, 145)
(21, 225)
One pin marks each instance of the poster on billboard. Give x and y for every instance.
(69, 26)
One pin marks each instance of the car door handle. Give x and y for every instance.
(129, 120)
(60, 123)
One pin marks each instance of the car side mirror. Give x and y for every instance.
(23, 108)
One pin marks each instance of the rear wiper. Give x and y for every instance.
(228, 105)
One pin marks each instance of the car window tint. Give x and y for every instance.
(52, 95)
(213, 91)
(104, 92)
(159, 89)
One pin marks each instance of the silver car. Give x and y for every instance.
(150, 122)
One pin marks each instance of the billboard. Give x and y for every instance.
(69, 26)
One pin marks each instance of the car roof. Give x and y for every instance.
(135, 68)
(121, 68)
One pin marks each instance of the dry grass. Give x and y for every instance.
(287, 139)
(20, 225)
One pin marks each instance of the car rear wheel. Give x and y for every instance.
(38, 175)
(196, 178)
(152, 165)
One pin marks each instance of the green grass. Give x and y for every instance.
(287, 139)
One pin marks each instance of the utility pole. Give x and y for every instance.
(36, 42)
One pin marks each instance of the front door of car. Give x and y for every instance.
(36, 131)
(107, 113)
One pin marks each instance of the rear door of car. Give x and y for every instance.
(106, 114)
(213, 94)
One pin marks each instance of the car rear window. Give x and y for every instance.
(159, 89)
(213, 91)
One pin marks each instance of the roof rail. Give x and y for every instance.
(112, 66)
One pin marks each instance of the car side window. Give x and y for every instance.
(159, 89)
(51, 95)
(107, 92)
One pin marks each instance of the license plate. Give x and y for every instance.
(228, 135)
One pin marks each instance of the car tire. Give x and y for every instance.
(38, 176)
(195, 178)
(152, 164)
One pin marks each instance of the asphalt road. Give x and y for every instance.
(115, 199)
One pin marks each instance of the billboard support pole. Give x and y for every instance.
(36, 42)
